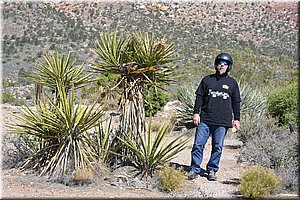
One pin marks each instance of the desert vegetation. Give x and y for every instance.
(61, 130)
(94, 57)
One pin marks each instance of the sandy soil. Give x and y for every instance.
(25, 184)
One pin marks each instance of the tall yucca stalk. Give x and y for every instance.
(138, 59)
(59, 69)
(62, 131)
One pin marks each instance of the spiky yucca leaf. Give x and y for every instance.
(106, 142)
(135, 56)
(151, 151)
(112, 52)
(59, 68)
(65, 143)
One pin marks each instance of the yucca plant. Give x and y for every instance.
(138, 59)
(65, 143)
(153, 149)
(186, 95)
(254, 100)
(59, 69)
(57, 129)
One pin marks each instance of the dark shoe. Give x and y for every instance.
(192, 175)
(212, 175)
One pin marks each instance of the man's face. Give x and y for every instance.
(222, 66)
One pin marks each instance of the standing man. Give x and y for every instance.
(217, 97)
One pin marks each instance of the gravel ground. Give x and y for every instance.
(121, 183)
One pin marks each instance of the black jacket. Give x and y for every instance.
(217, 98)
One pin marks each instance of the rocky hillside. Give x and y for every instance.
(33, 28)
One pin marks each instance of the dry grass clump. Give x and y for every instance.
(171, 178)
(258, 181)
(82, 174)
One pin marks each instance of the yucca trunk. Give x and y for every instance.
(132, 114)
(132, 107)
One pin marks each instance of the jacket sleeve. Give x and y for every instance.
(236, 102)
(199, 98)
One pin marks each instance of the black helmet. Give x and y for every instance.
(224, 56)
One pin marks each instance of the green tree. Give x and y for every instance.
(154, 100)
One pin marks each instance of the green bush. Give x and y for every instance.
(170, 178)
(23, 77)
(258, 181)
(283, 104)
(155, 100)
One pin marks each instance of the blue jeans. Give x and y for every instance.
(203, 131)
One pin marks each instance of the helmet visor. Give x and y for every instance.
(224, 62)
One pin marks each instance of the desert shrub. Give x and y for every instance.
(105, 83)
(155, 100)
(23, 77)
(283, 103)
(258, 181)
(7, 97)
(100, 94)
(170, 178)
(253, 127)
(273, 147)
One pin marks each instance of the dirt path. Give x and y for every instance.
(18, 184)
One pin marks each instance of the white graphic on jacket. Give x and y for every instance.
(215, 94)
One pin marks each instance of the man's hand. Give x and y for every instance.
(237, 124)
(196, 119)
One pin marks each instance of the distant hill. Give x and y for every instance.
(33, 28)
